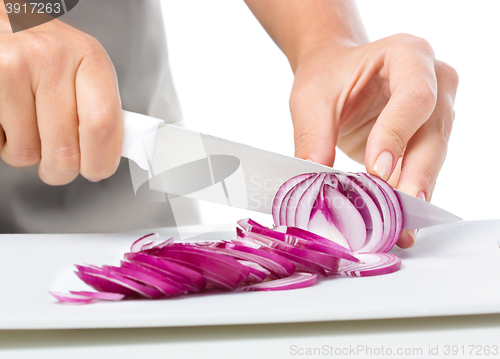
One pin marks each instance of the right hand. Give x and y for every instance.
(59, 103)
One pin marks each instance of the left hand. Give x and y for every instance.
(387, 104)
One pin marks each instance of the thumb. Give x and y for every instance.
(314, 125)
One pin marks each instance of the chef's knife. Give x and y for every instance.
(182, 162)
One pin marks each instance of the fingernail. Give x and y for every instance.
(421, 195)
(94, 180)
(383, 165)
(308, 159)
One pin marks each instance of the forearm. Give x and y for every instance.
(301, 26)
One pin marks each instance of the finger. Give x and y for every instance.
(315, 128)
(4, 19)
(409, 71)
(100, 115)
(20, 141)
(426, 151)
(58, 127)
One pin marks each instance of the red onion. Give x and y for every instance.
(326, 225)
(360, 212)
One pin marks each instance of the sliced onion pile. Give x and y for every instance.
(326, 225)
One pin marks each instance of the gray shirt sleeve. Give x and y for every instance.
(133, 34)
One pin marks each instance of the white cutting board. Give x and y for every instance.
(452, 270)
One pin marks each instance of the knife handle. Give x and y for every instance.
(139, 137)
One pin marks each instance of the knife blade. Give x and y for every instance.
(182, 162)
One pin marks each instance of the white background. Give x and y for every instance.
(234, 82)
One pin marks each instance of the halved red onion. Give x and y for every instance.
(295, 281)
(367, 209)
(346, 218)
(360, 212)
(398, 211)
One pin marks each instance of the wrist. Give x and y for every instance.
(303, 51)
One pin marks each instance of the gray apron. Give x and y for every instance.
(132, 33)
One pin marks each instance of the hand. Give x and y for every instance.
(387, 104)
(59, 103)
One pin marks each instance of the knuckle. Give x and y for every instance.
(299, 96)
(91, 48)
(442, 126)
(10, 63)
(397, 138)
(424, 94)
(99, 173)
(428, 177)
(414, 42)
(101, 119)
(304, 140)
(24, 157)
(65, 159)
(99, 170)
(48, 51)
(449, 73)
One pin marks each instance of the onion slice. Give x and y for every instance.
(295, 281)
(100, 295)
(371, 264)
(109, 281)
(191, 279)
(71, 298)
(282, 192)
